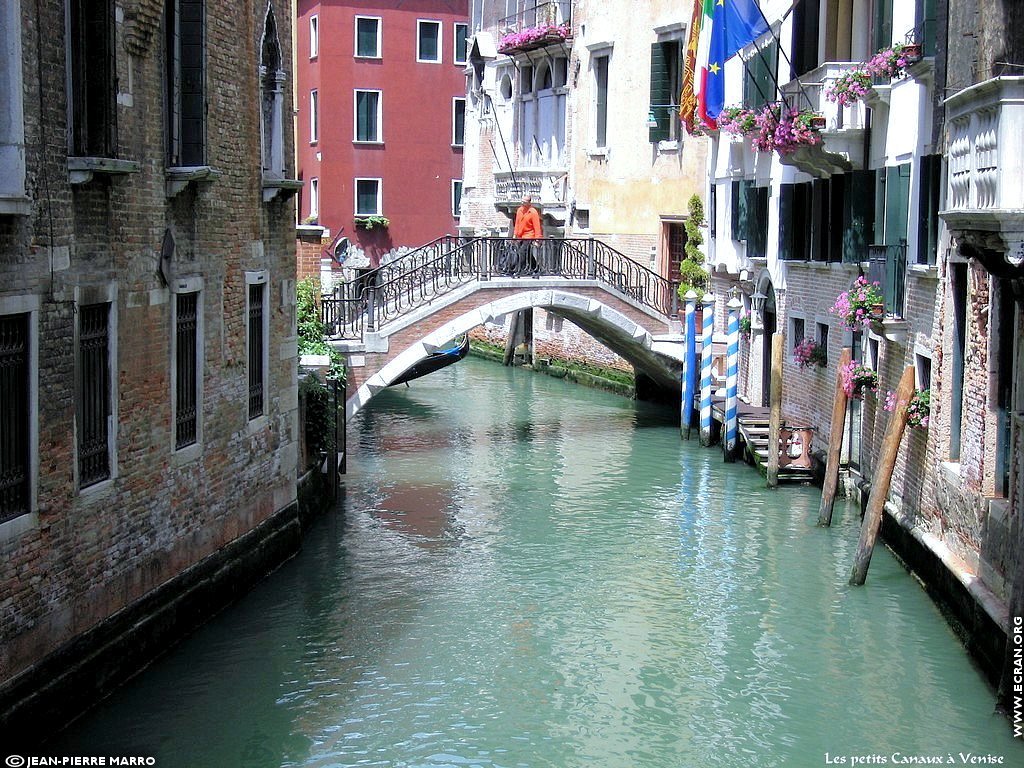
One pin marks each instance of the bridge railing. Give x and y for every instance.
(418, 278)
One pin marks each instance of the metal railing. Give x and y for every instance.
(394, 290)
(544, 12)
(887, 265)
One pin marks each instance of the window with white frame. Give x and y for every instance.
(367, 43)
(368, 197)
(458, 122)
(367, 116)
(314, 116)
(599, 66)
(257, 341)
(461, 43)
(186, 359)
(428, 41)
(314, 198)
(456, 198)
(314, 36)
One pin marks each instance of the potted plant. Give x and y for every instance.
(849, 88)
(796, 129)
(810, 353)
(862, 305)
(888, 62)
(745, 326)
(370, 222)
(738, 121)
(918, 409)
(856, 378)
(534, 37)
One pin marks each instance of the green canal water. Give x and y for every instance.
(523, 572)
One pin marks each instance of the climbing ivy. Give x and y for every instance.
(311, 328)
(692, 274)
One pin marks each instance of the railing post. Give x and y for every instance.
(689, 363)
(371, 307)
(674, 299)
(591, 261)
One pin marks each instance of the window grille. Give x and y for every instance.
(14, 417)
(186, 370)
(256, 342)
(94, 394)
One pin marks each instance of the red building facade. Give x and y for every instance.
(381, 115)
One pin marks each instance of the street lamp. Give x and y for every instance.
(757, 300)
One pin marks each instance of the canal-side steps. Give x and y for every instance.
(795, 463)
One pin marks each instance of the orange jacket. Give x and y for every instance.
(527, 223)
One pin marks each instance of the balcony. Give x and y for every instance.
(536, 27)
(984, 194)
(548, 188)
(842, 145)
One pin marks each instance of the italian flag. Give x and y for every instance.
(700, 80)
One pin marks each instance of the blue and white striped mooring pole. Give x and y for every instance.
(731, 377)
(705, 368)
(689, 362)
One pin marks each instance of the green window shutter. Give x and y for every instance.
(660, 93)
(757, 221)
(858, 216)
(739, 210)
(897, 204)
(928, 214)
(883, 24)
(786, 221)
(759, 79)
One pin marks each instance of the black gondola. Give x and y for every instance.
(435, 361)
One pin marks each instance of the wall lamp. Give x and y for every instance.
(652, 120)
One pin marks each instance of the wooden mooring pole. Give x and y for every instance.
(775, 408)
(882, 479)
(835, 444)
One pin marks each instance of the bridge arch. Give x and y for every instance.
(633, 332)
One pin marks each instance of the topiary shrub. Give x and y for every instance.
(692, 274)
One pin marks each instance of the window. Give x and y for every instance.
(314, 198)
(795, 221)
(91, 100)
(187, 359)
(750, 217)
(257, 330)
(897, 204)
(428, 41)
(368, 197)
(185, 83)
(458, 122)
(760, 77)
(461, 40)
(928, 211)
(666, 83)
(272, 80)
(796, 334)
(526, 79)
(12, 127)
(314, 116)
(601, 101)
(805, 36)
(367, 37)
(94, 394)
(314, 36)
(367, 116)
(15, 407)
(822, 337)
(456, 197)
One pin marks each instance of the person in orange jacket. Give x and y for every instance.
(527, 228)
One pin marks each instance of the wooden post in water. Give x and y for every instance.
(883, 476)
(775, 408)
(835, 444)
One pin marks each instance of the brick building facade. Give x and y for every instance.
(147, 269)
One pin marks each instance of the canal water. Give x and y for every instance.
(524, 572)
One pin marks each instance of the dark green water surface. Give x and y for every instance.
(523, 572)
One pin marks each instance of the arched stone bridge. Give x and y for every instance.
(612, 305)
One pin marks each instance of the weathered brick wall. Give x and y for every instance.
(92, 552)
(307, 256)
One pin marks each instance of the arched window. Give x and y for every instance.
(272, 79)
